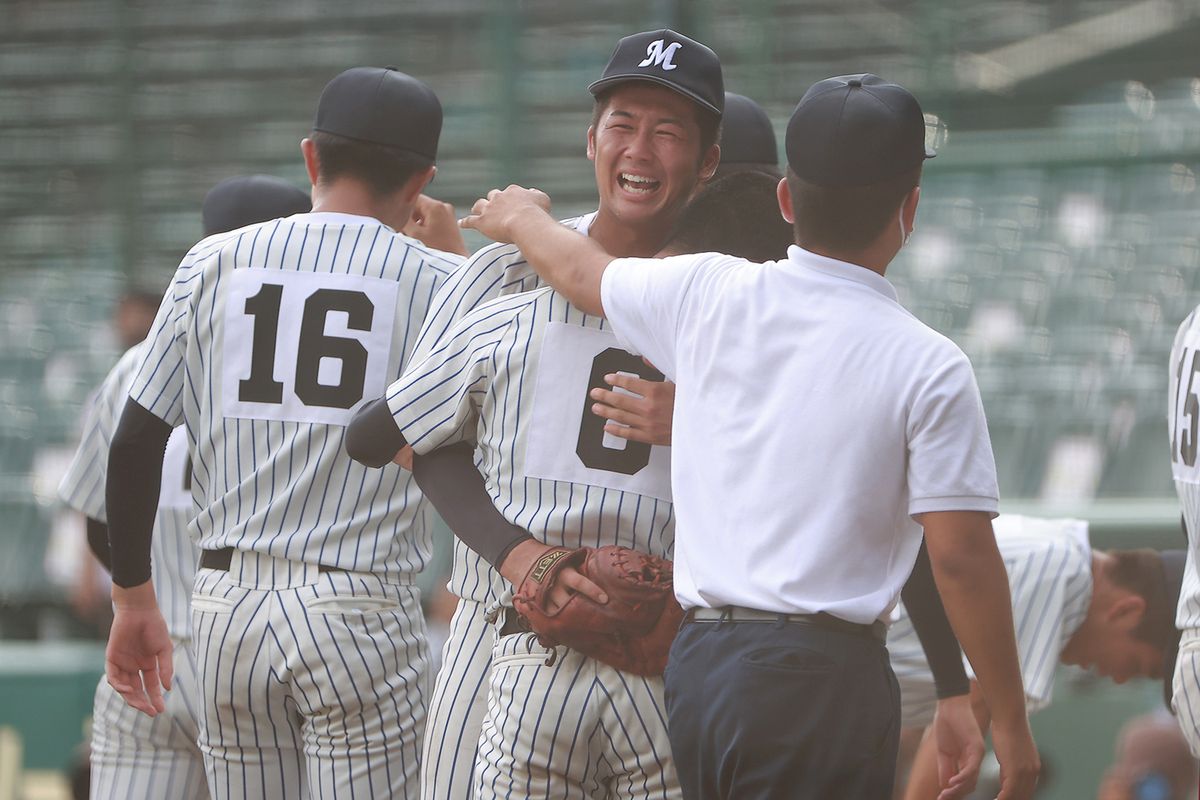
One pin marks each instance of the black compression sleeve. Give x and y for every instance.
(929, 619)
(448, 477)
(372, 437)
(135, 461)
(97, 539)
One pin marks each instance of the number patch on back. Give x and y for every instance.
(305, 347)
(1185, 408)
(566, 445)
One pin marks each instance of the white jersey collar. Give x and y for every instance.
(841, 269)
(336, 218)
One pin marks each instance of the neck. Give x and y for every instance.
(875, 258)
(350, 197)
(624, 241)
(1080, 643)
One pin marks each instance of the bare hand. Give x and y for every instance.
(959, 745)
(404, 457)
(496, 215)
(138, 658)
(569, 582)
(640, 414)
(1019, 760)
(434, 224)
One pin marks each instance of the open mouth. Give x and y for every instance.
(637, 184)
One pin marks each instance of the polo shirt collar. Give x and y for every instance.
(841, 269)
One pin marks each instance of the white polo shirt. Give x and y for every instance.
(813, 416)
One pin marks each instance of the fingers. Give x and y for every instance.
(633, 434)
(129, 686)
(627, 402)
(617, 415)
(166, 666)
(152, 685)
(579, 584)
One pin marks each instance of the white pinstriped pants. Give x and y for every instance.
(314, 684)
(575, 729)
(457, 706)
(1185, 688)
(136, 757)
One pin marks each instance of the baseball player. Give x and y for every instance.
(646, 170)
(851, 433)
(307, 629)
(747, 139)
(1110, 611)
(1183, 417)
(132, 755)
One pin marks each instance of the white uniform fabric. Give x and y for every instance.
(759, 350)
(1049, 563)
(459, 699)
(1183, 417)
(266, 344)
(134, 756)
(513, 377)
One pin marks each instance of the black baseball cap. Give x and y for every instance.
(1173, 564)
(855, 130)
(747, 136)
(669, 59)
(381, 106)
(237, 202)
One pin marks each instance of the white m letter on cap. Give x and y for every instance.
(656, 55)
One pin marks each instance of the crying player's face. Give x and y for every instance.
(646, 149)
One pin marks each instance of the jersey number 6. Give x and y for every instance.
(590, 445)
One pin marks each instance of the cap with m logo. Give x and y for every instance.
(669, 59)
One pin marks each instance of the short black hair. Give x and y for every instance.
(383, 169)
(140, 296)
(846, 218)
(737, 215)
(710, 123)
(1141, 572)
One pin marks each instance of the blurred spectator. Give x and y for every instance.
(1153, 762)
(134, 315)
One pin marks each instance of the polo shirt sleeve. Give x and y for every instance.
(950, 461)
(643, 298)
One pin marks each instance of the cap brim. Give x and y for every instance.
(612, 80)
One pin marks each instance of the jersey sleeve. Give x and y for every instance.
(950, 461)
(1044, 584)
(158, 385)
(436, 401)
(82, 487)
(643, 300)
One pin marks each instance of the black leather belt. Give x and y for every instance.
(221, 559)
(876, 630)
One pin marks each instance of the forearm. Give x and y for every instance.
(923, 783)
(928, 616)
(97, 539)
(131, 493)
(449, 479)
(973, 583)
(372, 437)
(570, 262)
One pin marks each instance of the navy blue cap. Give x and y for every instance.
(747, 136)
(855, 130)
(669, 59)
(1173, 564)
(237, 202)
(381, 106)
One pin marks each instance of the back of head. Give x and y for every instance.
(1144, 572)
(855, 145)
(377, 126)
(747, 139)
(237, 202)
(737, 215)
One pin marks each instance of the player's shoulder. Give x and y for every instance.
(1041, 538)
(507, 308)
(504, 263)
(439, 261)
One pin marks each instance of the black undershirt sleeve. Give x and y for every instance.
(135, 461)
(928, 616)
(97, 539)
(372, 437)
(448, 477)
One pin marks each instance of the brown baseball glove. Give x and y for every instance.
(633, 631)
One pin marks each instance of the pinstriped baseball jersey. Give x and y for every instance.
(173, 555)
(1183, 415)
(1049, 563)
(513, 376)
(269, 339)
(494, 271)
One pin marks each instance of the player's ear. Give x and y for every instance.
(784, 196)
(909, 210)
(710, 162)
(591, 142)
(417, 183)
(1127, 612)
(308, 148)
